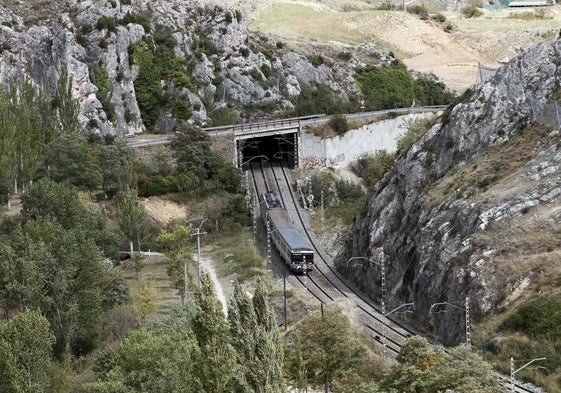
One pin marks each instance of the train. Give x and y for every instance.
(291, 244)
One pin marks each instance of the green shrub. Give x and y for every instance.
(345, 56)
(439, 17)
(348, 191)
(151, 101)
(267, 71)
(244, 51)
(386, 87)
(339, 124)
(181, 79)
(372, 167)
(224, 116)
(317, 60)
(319, 98)
(180, 108)
(429, 92)
(203, 43)
(105, 22)
(155, 185)
(141, 18)
(386, 6)
(164, 37)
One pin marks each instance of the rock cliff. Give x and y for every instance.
(472, 209)
(173, 60)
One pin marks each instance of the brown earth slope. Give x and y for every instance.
(424, 45)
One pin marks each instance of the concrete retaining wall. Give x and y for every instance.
(341, 150)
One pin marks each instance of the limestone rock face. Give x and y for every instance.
(470, 209)
(91, 42)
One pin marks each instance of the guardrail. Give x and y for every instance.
(262, 125)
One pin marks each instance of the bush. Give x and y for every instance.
(317, 60)
(339, 124)
(373, 166)
(439, 17)
(142, 19)
(100, 78)
(348, 191)
(418, 9)
(471, 11)
(319, 98)
(429, 92)
(539, 319)
(106, 22)
(386, 87)
(224, 116)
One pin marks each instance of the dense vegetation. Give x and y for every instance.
(394, 87)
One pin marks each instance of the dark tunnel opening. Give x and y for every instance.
(269, 148)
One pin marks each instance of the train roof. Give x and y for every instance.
(271, 199)
(292, 236)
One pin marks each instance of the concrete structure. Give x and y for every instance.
(339, 151)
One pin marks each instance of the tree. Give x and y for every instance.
(116, 163)
(327, 347)
(60, 272)
(465, 371)
(29, 119)
(217, 373)
(192, 152)
(62, 203)
(269, 349)
(424, 368)
(176, 245)
(152, 362)
(131, 217)
(25, 353)
(70, 158)
(67, 108)
(146, 297)
(256, 339)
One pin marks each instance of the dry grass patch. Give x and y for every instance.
(318, 24)
(494, 166)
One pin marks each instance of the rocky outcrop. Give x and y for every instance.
(467, 210)
(227, 68)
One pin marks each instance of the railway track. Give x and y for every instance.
(325, 283)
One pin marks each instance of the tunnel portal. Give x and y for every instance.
(276, 147)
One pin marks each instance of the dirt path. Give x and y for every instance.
(208, 267)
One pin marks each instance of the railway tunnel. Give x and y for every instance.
(281, 148)
(268, 141)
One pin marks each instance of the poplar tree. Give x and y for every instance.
(256, 338)
(269, 346)
(132, 217)
(217, 370)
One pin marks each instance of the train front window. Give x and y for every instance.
(299, 258)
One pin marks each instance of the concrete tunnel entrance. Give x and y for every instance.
(273, 147)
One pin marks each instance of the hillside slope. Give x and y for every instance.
(451, 49)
